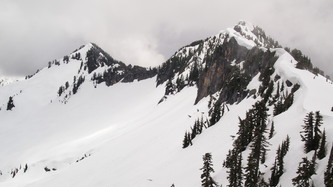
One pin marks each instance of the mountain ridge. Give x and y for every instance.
(109, 126)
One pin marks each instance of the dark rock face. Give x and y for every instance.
(116, 70)
(228, 70)
(219, 69)
(230, 80)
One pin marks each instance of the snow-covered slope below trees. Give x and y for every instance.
(118, 134)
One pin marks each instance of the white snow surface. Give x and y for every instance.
(5, 80)
(126, 139)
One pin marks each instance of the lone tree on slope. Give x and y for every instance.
(10, 103)
(207, 180)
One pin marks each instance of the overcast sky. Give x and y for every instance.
(147, 32)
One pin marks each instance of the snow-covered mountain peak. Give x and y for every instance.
(84, 121)
(246, 26)
(82, 50)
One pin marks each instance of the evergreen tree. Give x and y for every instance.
(260, 140)
(61, 90)
(311, 134)
(201, 125)
(271, 132)
(239, 170)
(313, 161)
(274, 180)
(304, 172)
(281, 106)
(234, 164)
(288, 101)
(189, 138)
(25, 168)
(307, 134)
(216, 114)
(10, 104)
(259, 145)
(186, 141)
(322, 149)
(66, 84)
(194, 131)
(285, 146)
(245, 132)
(263, 156)
(252, 170)
(316, 130)
(207, 169)
(76, 86)
(328, 175)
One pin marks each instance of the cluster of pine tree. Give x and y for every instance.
(248, 127)
(267, 41)
(77, 84)
(259, 145)
(234, 165)
(216, 111)
(29, 76)
(65, 59)
(252, 133)
(63, 88)
(306, 169)
(278, 167)
(76, 56)
(181, 82)
(55, 62)
(197, 129)
(315, 140)
(311, 133)
(16, 170)
(282, 103)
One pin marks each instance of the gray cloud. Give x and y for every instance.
(147, 32)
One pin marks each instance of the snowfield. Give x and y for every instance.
(119, 136)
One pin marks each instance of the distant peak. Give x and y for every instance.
(88, 45)
(245, 25)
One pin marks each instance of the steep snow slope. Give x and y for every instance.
(121, 136)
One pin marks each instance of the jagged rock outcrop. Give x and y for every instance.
(218, 69)
(222, 64)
